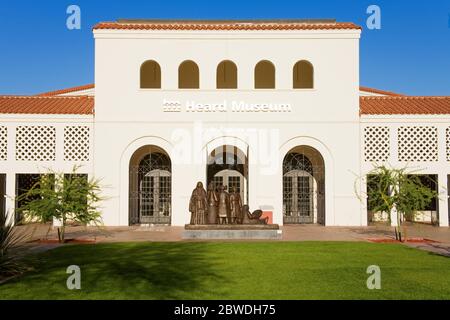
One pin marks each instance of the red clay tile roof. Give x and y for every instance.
(81, 105)
(226, 25)
(372, 90)
(406, 105)
(68, 90)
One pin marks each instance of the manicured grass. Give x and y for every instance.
(235, 270)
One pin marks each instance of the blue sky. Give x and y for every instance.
(410, 54)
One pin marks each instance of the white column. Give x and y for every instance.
(10, 190)
(58, 186)
(363, 178)
(10, 201)
(393, 133)
(443, 200)
(394, 215)
(362, 192)
(394, 211)
(442, 177)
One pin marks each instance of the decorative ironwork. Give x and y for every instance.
(298, 197)
(151, 190)
(303, 193)
(297, 161)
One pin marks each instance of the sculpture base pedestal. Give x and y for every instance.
(232, 232)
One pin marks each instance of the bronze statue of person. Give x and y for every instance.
(225, 188)
(198, 205)
(253, 218)
(235, 206)
(224, 205)
(246, 215)
(213, 201)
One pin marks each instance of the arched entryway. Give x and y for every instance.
(303, 186)
(150, 197)
(228, 166)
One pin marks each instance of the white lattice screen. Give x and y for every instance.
(36, 143)
(447, 141)
(417, 143)
(3, 143)
(76, 143)
(376, 144)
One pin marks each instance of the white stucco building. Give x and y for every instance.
(274, 108)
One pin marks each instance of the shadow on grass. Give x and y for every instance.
(126, 271)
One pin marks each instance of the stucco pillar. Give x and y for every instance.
(394, 215)
(362, 192)
(443, 200)
(10, 201)
(443, 179)
(58, 186)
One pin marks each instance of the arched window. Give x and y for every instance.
(226, 75)
(150, 75)
(265, 75)
(188, 75)
(303, 75)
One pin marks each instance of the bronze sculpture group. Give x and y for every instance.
(220, 207)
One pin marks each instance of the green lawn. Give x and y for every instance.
(235, 270)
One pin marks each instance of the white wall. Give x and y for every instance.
(326, 117)
(440, 166)
(12, 166)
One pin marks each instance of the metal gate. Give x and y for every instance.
(299, 195)
(302, 192)
(150, 190)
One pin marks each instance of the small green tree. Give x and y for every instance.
(64, 197)
(391, 189)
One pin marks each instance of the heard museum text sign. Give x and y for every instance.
(225, 106)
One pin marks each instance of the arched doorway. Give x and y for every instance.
(228, 166)
(150, 186)
(303, 186)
